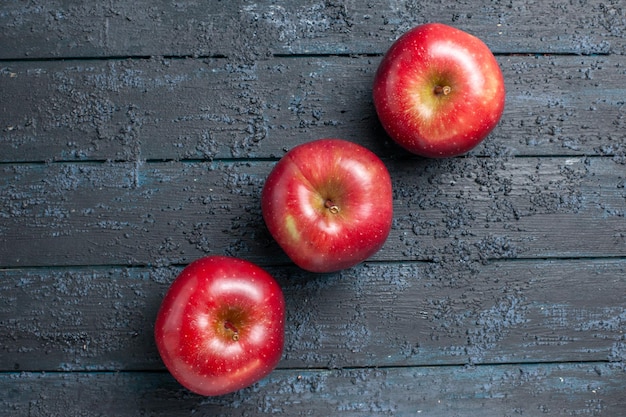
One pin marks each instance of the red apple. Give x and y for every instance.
(438, 91)
(328, 203)
(221, 325)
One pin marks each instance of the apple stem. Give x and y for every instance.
(229, 326)
(445, 90)
(334, 209)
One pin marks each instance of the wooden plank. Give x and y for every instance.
(376, 314)
(246, 30)
(204, 109)
(558, 390)
(461, 209)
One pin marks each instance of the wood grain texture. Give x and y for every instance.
(247, 30)
(373, 315)
(129, 110)
(492, 391)
(170, 213)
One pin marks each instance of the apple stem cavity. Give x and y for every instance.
(332, 207)
(443, 90)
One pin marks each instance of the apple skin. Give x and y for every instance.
(438, 91)
(221, 325)
(329, 204)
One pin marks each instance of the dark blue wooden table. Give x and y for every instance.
(136, 136)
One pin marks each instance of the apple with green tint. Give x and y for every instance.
(438, 91)
(221, 325)
(328, 203)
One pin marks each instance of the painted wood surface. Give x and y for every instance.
(173, 212)
(377, 314)
(504, 390)
(155, 109)
(57, 29)
(136, 136)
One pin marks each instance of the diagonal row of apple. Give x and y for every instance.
(328, 203)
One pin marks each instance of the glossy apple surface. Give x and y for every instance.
(329, 205)
(221, 325)
(438, 91)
